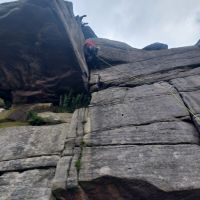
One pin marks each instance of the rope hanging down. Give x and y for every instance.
(170, 92)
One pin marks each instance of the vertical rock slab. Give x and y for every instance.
(141, 144)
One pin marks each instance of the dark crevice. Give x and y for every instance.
(59, 194)
(73, 151)
(141, 144)
(81, 146)
(138, 125)
(189, 90)
(28, 169)
(184, 118)
(187, 119)
(36, 156)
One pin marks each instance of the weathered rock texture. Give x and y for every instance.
(138, 139)
(28, 160)
(41, 51)
(141, 138)
(156, 46)
(55, 118)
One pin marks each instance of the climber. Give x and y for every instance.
(90, 51)
(79, 19)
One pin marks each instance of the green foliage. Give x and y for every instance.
(78, 165)
(78, 162)
(69, 102)
(82, 144)
(35, 120)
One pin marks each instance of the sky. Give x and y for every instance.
(142, 22)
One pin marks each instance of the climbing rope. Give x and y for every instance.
(181, 103)
(129, 78)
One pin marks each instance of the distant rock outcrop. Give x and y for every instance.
(156, 46)
(198, 44)
(41, 51)
(88, 32)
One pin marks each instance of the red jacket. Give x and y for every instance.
(90, 43)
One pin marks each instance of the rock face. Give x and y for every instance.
(28, 160)
(55, 118)
(138, 139)
(156, 46)
(141, 137)
(198, 44)
(41, 45)
(126, 66)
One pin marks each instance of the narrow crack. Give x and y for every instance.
(82, 144)
(35, 156)
(68, 170)
(28, 169)
(141, 79)
(124, 99)
(190, 114)
(141, 144)
(73, 152)
(181, 118)
(166, 55)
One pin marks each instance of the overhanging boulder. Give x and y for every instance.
(41, 51)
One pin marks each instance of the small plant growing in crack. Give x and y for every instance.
(78, 165)
(78, 162)
(71, 101)
(35, 120)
